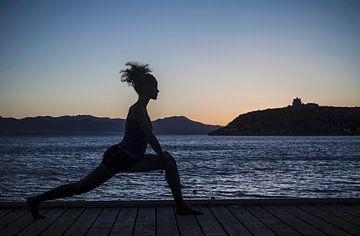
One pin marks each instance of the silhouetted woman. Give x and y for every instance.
(128, 155)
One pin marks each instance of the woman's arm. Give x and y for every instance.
(141, 118)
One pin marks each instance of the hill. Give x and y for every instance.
(181, 125)
(302, 119)
(85, 124)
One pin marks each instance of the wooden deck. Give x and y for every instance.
(221, 217)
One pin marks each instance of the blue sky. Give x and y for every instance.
(213, 59)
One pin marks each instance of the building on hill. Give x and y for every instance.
(297, 103)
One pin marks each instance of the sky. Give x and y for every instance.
(213, 60)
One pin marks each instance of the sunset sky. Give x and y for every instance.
(213, 59)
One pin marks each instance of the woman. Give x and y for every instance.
(128, 155)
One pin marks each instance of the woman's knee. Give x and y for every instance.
(170, 161)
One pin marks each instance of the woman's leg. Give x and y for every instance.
(153, 162)
(95, 178)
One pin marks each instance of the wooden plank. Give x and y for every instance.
(317, 219)
(350, 209)
(342, 213)
(337, 221)
(293, 221)
(166, 221)
(84, 222)
(20, 224)
(336, 211)
(103, 224)
(188, 225)
(228, 221)
(11, 217)
(125, 221)
(5, 211)
(208, 222)
(355, 206)
(271, 221)
(314, 221)
(255, 226)
(17, 225)
(145, 222)
(40, 225)
(63, 223)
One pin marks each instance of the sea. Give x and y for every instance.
(211, 167)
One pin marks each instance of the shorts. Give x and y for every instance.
(116, 160)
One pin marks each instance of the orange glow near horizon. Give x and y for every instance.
(219, 117)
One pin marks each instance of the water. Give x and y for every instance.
(210, 166)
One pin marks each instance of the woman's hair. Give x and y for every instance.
(137, 75)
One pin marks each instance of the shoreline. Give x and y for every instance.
(143, 203)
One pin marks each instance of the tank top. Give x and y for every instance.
(134, 140)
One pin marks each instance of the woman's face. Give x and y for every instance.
(151, 91)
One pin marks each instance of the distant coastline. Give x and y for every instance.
(297, 119)
(86, 124)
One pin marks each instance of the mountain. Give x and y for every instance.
(299, 119)
(60, 125)
(85, 124)
(181, 125)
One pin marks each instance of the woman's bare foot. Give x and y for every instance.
(34, 205)
(185, 210)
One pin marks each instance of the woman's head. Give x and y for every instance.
(139, 77)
